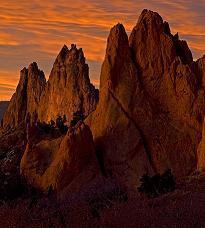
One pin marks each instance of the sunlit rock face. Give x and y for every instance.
(68, 89)
(151, 106)
(26, 98)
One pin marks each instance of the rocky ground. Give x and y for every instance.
(181, 208)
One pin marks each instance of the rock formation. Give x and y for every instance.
(151, 106)
(26, 98)
(3, 107)
(149, 117)
(68, 89)
(56, 162)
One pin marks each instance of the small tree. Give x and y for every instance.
(77, 116)
(52, 124)
(46, 128)
(158, 184)
(60, 124)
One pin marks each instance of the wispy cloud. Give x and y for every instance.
(36, 30)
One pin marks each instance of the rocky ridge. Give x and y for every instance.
(149, 117)
(67, 91)
(154, 102)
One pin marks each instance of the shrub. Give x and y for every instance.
(46, 128)
(77, 116)
(158, 184)
(60, 124)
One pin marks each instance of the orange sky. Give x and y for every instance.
(36, 31)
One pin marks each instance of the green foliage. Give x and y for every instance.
(157, 184)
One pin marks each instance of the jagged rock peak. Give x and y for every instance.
(117, 37)
(68, 89)
(67, 55)
(34, 71)
(153, 19)
(117, 52)
(62, 54)
(26, 98)
(152, 29)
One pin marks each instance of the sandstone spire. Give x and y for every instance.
(68, 89)
(152, 99)
(26, 98)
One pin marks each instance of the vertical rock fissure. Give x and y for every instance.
(146, 147)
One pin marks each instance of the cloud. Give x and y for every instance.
(36, 30)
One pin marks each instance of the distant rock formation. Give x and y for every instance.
(26, 98)
(55, 163)
(68, 89)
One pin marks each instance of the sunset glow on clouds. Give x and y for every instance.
(36, 30)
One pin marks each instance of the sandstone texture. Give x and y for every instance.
(149, 117)
(55, 163)
(3, 107)
(150, 113)
(26, 98)
(68, 89)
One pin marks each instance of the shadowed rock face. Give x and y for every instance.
(26, 98)
(56, 163)
(68, 89)
(3, 107)
(149, 116)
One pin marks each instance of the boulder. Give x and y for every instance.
(55, 163)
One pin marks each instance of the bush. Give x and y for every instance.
(60, 124)
(157, 184)
(46, 128)
(77, 116)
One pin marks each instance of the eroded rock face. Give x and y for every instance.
(164, 64)
(26, 98)
(201, 152)
(56, 162)
(118, 140)
(3, 107)
(68, 89)
(151, 102)
(149, 117)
